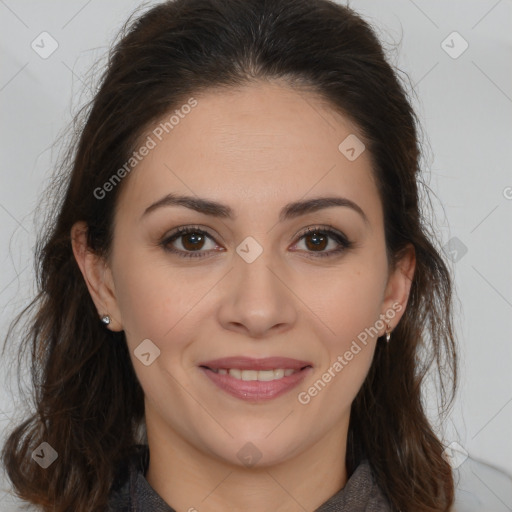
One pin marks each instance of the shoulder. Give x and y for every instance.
(121, 493)
(360, 494)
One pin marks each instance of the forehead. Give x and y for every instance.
(251, 147)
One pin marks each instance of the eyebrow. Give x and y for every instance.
(289, 211)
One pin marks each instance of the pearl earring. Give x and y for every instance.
(105, 319)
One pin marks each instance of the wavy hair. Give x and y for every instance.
(88, 403)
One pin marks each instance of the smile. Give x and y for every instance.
(255, 385)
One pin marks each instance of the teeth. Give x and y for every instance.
(262, 375)
(235, 373)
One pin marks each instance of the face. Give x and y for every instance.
(255, 278)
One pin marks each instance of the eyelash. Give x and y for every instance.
(326, 230)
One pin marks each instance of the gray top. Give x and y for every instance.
(134, 494)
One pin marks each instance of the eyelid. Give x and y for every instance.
(330, 231)
(320, 227)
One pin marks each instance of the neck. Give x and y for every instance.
(193, 480)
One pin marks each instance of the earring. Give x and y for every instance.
(105, 319)
(388, 333)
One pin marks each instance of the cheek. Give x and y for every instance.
(161, 303)
(348, 299)
(150, 302)
(349, 313)
(349, 309)
(154, 305)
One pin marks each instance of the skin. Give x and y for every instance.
(255, 149)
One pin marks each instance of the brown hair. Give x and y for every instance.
(88, 402)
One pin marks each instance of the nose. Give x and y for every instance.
(257, 298)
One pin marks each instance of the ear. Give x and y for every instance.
(399, 284)
(97, 276)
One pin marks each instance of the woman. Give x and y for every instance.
(239, 296)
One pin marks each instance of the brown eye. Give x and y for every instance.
(192, 241)
(317, 240)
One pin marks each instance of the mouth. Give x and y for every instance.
(256, 380)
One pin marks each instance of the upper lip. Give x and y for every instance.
(249, 363)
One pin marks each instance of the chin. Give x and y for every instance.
(255, 452)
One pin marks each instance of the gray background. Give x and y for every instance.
(464, 103)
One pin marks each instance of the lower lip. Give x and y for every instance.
(255, 390)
